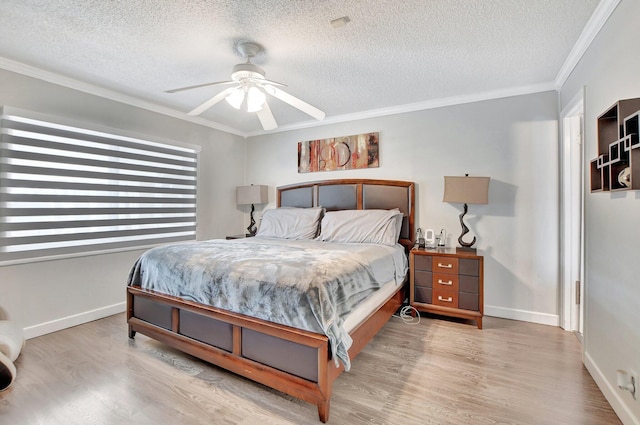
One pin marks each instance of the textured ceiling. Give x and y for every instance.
(392, 53)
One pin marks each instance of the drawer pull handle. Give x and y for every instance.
(442, 282)
(445, 266)
(448, 300)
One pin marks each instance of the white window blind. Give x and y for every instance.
(67, 190)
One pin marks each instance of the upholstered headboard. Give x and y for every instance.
(352, 194)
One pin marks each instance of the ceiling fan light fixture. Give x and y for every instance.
(255, 99)
(247, 70)
(249, 82)
(236, 97)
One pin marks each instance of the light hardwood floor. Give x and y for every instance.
(436, 372)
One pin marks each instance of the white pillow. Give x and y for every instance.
(290, 223)
(362, 226)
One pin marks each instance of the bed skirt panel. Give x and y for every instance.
(205, 329)
(278, 353)
(153, 312)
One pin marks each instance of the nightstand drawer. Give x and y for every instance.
(422, 294)
(445, 265)
(445, 298)
(445, 282)
(422, 262)
(422, 278)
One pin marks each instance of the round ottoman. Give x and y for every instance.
(11, 342)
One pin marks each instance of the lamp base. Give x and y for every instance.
(466, 249)
(252, 224)
(465, 246)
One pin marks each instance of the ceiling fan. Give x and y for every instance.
(249, 87)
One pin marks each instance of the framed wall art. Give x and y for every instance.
(339, 153)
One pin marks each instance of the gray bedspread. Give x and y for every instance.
(306, 284)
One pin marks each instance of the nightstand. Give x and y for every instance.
(447, 282)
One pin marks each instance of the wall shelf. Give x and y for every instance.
(617, 166)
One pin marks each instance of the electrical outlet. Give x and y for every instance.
(627, 381)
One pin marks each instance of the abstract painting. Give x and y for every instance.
(338, 153)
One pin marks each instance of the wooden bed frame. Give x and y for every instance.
(290, 360)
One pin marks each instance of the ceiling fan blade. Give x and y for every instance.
(295, 102)
(209, 103)
(217, 83)
(266, 117)
(264, 82)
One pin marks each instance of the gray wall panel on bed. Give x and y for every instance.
(338, 197)
(300, 197)
(210, 331)
(297, 359)
(387, 197)
(153, 312)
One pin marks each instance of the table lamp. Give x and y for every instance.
(466, 190)
(246, 195)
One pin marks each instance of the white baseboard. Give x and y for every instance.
(75, 320)
(611, 393)
(523, 315)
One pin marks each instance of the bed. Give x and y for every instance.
(297, 361)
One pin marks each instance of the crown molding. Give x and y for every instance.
(51, 77)
(54, 78)
(599, 17)
(418, 106)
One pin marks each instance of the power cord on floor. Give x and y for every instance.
(407, 317)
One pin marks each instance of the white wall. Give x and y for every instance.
(51, 295)
(610, 71)
(512, 140)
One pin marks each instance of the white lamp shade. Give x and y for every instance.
(466, 190)
(255, 99)
(254, 194)
(235, 98)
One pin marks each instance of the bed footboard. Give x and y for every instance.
(290, 360)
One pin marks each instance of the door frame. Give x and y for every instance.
(572, 184)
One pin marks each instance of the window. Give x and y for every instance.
(68, 190)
